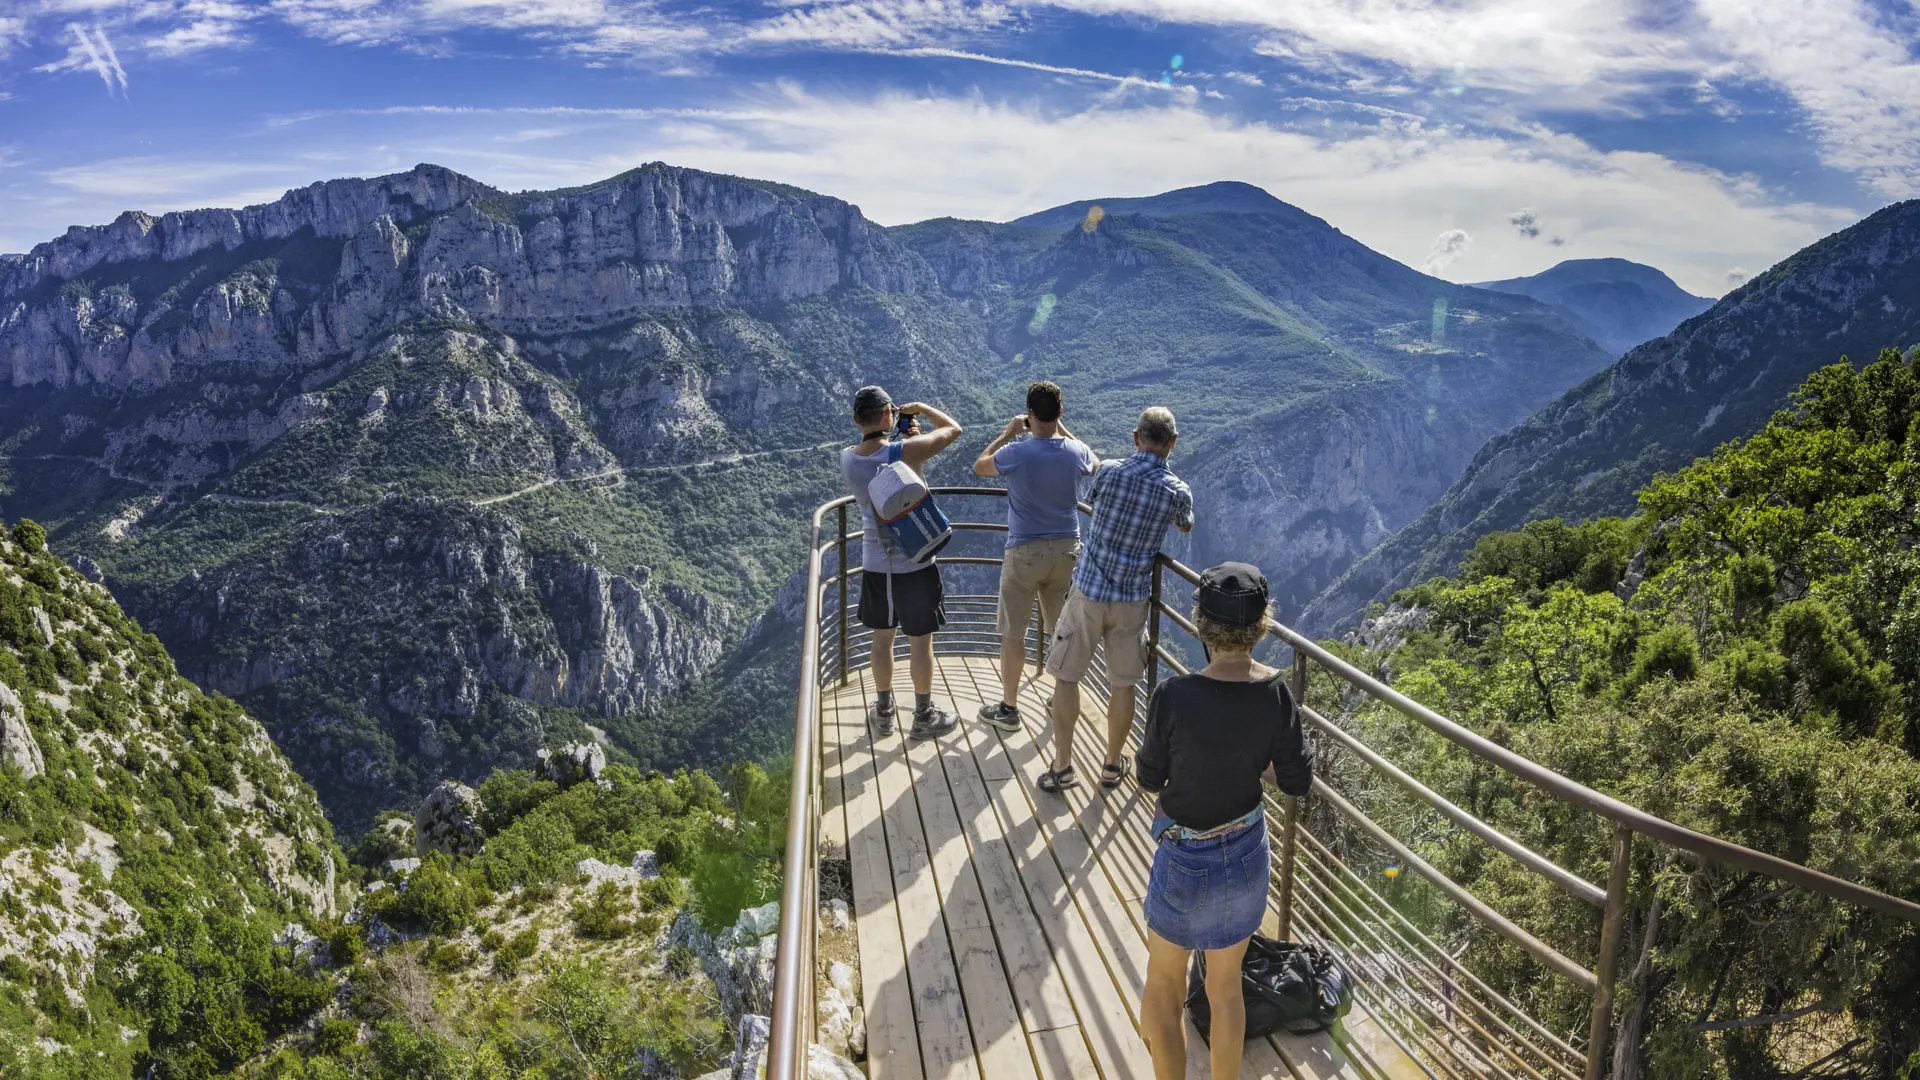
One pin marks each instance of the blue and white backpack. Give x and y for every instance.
(904, 506)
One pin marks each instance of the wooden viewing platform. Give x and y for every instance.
(1000, 928)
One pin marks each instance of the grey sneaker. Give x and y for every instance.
(881, 716)
(932, 723)
(1001, 715)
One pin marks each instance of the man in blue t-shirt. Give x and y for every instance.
(1043, 464)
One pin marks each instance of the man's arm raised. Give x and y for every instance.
(984, 465)
(917, 450)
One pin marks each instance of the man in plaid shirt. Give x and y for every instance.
(1133, 503)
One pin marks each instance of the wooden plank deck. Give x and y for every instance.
(1000, 928)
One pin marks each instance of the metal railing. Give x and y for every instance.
(1424, 998)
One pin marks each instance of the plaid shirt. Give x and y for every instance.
(1133, 503)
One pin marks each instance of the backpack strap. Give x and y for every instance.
(893, 452)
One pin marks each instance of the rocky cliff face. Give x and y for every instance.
(273, 429)
(431, 474)
(1718, 377)
(292, 284)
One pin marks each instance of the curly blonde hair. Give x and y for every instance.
(1219, 637)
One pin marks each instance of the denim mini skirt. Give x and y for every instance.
(1209, 894)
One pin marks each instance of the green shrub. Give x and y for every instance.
(433, 898)
(335, 1036)
(30, 536)
(603, 914)
(519, 948)
(451, 956)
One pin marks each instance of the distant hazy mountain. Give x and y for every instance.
(1625, 303)
(1717, 378)
(430, 474)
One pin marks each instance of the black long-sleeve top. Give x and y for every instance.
(1208, 741)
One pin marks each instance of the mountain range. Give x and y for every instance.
(1623, 303)
(1718, 377)
(430, 475)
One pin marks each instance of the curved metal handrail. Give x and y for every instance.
(794, 958)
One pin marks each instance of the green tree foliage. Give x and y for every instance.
(1739, 658)
(739, 864)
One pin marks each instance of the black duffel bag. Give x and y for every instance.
(1289, 986)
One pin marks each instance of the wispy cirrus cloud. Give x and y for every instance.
(91, 50)
(866, 24)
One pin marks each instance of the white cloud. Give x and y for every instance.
(1446, 250)
(92, 51)
(1594, 53)
(867, 24)
(13, 31)
(1245, 78)
(909, 157)
(1080, 73)
(1857, 79)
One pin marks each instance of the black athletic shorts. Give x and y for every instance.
(919, 602)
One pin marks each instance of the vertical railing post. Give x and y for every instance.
(1612, 925)
(842, 610)
(1153, 630)
(1290, 819)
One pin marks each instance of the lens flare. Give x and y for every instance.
(1094, 214)
(1439, 320)
(1042, 311)
(1178, 62)
(1393, 870)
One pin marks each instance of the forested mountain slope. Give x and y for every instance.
(1625, 303)
(1741, 656)
(430, 475)
(1720, 376)
(153, 845)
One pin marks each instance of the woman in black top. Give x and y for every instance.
(1210, 738)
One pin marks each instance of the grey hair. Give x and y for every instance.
(1156, 426)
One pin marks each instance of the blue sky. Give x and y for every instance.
(1472, 138)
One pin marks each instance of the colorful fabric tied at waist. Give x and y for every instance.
(1165, 828)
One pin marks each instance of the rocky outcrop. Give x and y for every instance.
(17, 746)
(352, 259)
(448, 821)
(574, 763)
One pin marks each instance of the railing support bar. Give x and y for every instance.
(842, 610)
(1153, 634)
(1290, 818)
(1611, 926)
(1289, 828)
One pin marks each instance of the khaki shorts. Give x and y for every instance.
(1041, 570)
(1085, 623)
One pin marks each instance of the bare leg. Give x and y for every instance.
(920, 662)
(1013, 663)
(1119, 722)
(1161, 1023)
(1228, 1035)
(883, 659)
(1066, 709)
